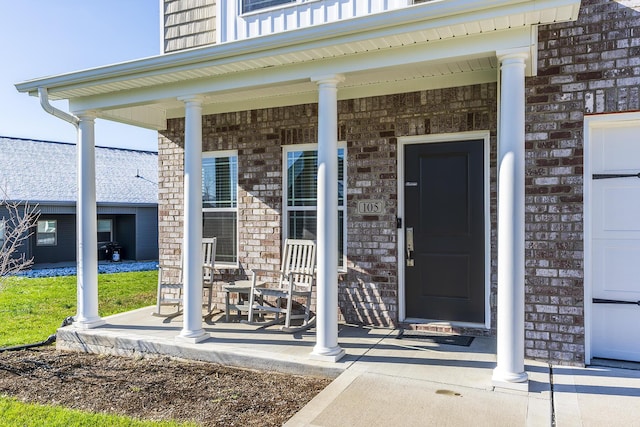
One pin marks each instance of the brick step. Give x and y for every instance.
(445, 328)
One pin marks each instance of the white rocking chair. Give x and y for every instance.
(170, 288)
(294, 280)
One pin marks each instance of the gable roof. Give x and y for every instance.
(45, 172)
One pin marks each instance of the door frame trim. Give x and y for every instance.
(439, 138)
(591, 123)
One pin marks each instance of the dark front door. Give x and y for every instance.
(444, 216)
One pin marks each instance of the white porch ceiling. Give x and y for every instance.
(434, 44)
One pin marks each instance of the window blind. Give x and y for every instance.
(219, 182)
(219, 203)
(302, 178)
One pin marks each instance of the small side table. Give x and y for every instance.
(242, 288)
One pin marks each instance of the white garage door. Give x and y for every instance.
(615, 245)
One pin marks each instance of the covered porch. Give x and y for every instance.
(426, 46)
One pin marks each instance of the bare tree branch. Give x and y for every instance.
(17, 220)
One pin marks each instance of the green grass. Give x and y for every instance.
(14, 413)
(32, 309)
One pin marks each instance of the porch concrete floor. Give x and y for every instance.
(240, 344)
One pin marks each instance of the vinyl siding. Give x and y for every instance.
(189, 23)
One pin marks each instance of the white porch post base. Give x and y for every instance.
(88, 323)
(327, 347)
(87, 227)
(194, 338)
(192, 331)
(327, 354)
(507, 380)
(509, 372)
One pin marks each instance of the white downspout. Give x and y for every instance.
(86, 215)
(44, 102)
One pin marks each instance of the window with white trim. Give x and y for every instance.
(220, 203)
(301, 196)
(105, 230)
(47, 232)
(253, 5)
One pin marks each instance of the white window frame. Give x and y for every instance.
(221, 154)
(110, 221)
(286, 149)
(233, 25)
(269, 8)
(55, 233)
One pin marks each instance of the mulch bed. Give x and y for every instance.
(155, 388)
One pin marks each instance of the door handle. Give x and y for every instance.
(409, 246)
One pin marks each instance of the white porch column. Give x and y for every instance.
(327, 347)
(192, 244)
(87, 226)
(509, 371)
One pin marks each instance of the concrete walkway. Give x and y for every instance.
(596, 396)
(386, 381)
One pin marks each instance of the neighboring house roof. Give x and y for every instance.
(45, 171)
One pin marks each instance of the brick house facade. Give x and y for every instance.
(404, 74)
(585, 67)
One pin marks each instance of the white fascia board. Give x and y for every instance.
(465, 47)
(436, 13)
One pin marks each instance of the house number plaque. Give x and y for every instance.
(370, 207)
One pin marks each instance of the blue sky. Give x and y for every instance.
(39, 38)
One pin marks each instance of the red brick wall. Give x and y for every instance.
(170, 193)
(369, 291)
(588, 67)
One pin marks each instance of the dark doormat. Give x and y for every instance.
(460, 340)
